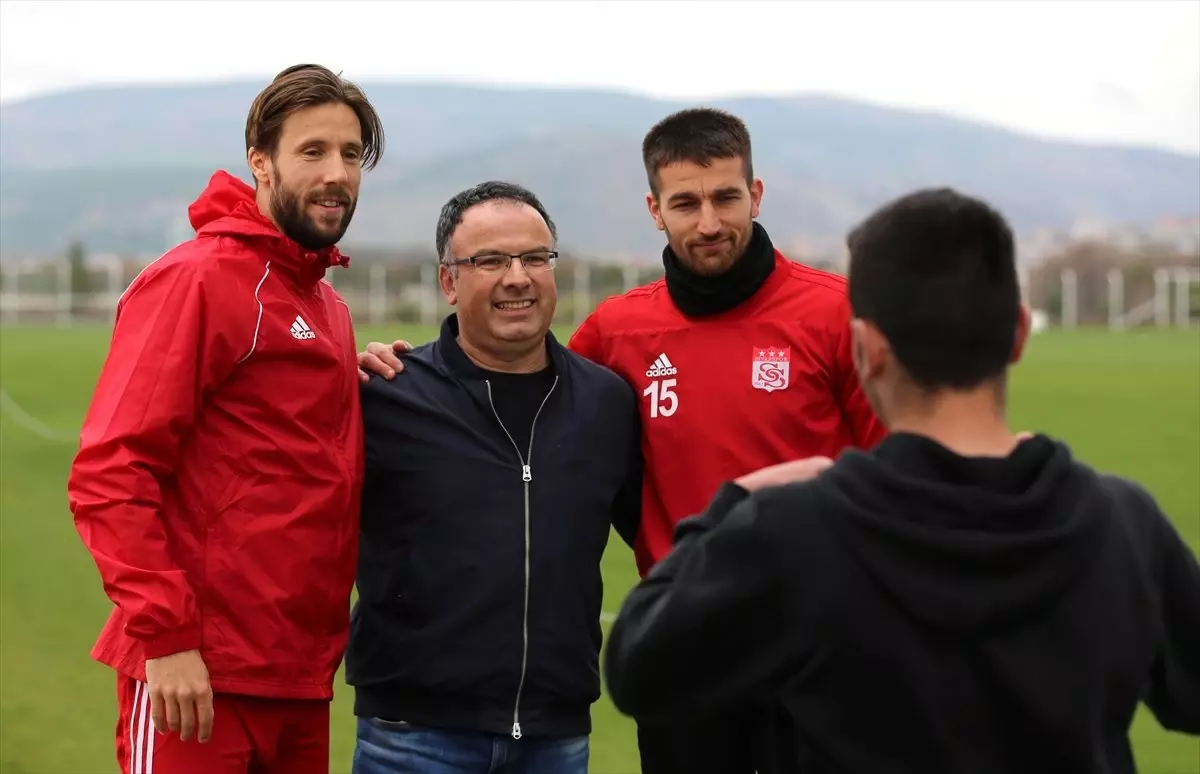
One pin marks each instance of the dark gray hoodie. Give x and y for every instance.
(911, 611)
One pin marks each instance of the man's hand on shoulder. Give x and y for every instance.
(379, 358)
(181, 698)
(784, 473)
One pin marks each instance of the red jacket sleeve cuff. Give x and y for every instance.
(177, 641)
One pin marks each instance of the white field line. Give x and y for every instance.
(32, 423)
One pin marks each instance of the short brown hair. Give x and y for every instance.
(698, 135)
(308, 85)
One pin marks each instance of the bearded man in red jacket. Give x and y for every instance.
(742, 358)
(218, 476)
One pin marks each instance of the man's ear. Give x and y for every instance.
(655, 212)
(446, 281)
(260, 166)
(1024, 326)
(857, 353)
(756, 195)
(870, 349)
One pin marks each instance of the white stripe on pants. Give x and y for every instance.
(141, 733)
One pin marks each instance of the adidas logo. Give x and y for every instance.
(300, 329)
(661, 367)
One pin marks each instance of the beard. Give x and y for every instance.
(707, 263)
(288, 207)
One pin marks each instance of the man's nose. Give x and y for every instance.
(336, 171)
(709, 223)
(516, 275)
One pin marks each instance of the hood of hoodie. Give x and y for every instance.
(227, 207)
(969, 545)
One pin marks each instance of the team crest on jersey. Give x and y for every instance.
(770, 368)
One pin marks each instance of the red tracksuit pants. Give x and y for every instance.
(249, 736)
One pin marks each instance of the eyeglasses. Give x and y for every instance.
(539, 260)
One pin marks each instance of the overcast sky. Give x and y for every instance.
(1126, 72)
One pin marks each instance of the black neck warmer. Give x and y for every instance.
(697, 295)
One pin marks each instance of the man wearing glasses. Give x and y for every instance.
(497, 463)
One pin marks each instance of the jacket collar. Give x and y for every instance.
(227, 208)
(465, 368)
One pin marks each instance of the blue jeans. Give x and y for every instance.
(385, 747)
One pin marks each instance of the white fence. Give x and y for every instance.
(1157, 309)
(1173, 300)
(43, 293)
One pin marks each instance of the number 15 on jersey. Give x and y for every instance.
(663, 399)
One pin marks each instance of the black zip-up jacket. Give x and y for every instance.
(479, 572)
(911, 611)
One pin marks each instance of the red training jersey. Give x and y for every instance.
(769, 381)
(219, 473)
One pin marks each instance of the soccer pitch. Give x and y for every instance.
(1127, 403)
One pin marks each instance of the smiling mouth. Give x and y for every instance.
(513, 306)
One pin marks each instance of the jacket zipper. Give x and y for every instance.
(317, 309)
(526, 477)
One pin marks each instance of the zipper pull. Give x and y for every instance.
(516, 732)
(526, 475)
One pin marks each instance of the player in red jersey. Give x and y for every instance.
(741, 357)
(736, 341)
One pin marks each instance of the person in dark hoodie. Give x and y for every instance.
(960, 598)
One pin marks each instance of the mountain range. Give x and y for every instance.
(116, 167)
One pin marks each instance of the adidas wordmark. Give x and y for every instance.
(661, 367)
(300, 329)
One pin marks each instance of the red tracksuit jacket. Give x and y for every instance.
(218, 478)
(768, 381)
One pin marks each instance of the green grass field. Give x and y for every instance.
(1128, 403)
